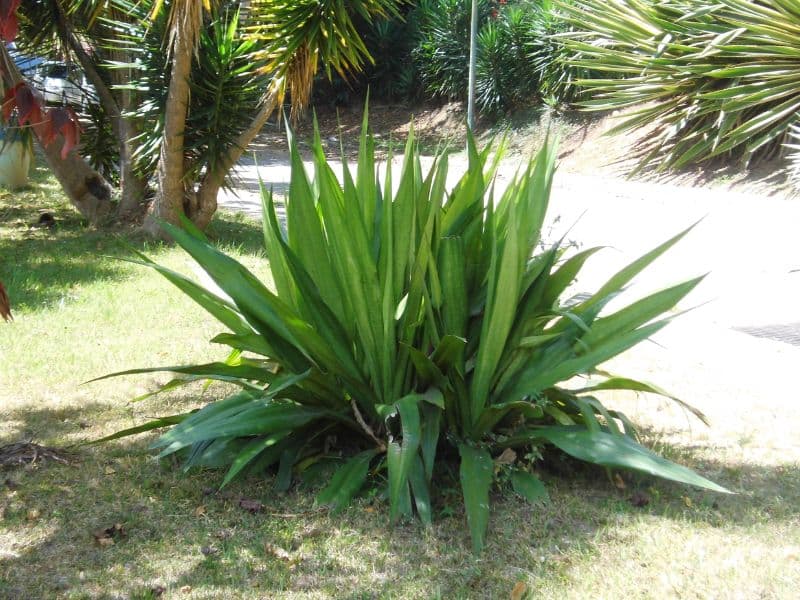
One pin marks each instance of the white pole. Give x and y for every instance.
(473, 46)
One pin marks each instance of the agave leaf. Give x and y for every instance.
(624, 383)
(250, 452)
(243, 415)
(533, 381)
(501, 302)
(529, 486)
(219, 308)
(400, 456)
(149, 426)
(559, 281)
(610, 450)
(306, 237)
(429, 439)
(638, 313)
(476, 475)
(495, 413)
(251, 342)
(268, 313)
(452, 274)
(426, 370)
(216, 370)
(346, 482)
(419, 487)
(449, 352)
(625, 275)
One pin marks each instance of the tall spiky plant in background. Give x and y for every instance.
(716, 79)
(408, 329)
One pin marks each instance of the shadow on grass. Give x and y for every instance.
(40, 266)
(179, 531)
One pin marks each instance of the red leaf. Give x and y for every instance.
(7, 7)
(71, 137)
(9, 26)
(60, 120)
(28, 109)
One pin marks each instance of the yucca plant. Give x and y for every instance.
(411, 326)
(717, 78)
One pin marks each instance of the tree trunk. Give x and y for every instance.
(85, 187)
(212, 182)
(88, 191)
(132, 184)
(168, 205)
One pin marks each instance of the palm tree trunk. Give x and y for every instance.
(132, 184)
(212, 182)
(168, 205)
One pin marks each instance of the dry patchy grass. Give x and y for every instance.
(81, 314)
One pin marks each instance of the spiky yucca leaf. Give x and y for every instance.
(716, 78)
(411, 325)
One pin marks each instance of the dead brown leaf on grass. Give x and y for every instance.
(106, 537)
(518, 593)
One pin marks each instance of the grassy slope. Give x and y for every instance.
(81, 314)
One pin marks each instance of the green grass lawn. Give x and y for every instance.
(81, 313)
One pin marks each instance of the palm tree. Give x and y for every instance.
(73, 30)
(297, 35)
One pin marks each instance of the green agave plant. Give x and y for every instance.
(410, 328)
(717, 78)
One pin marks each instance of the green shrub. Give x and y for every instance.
(409, 329)
(521, 53)
(442, 56)
(717, 78)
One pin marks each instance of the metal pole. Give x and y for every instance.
(473, 47)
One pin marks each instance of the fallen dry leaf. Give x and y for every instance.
(105, 537)
(109, 471)
(33, 514)
(200, 511)
(619, 482)
(519, 590)
(506, 458)
(687, 501)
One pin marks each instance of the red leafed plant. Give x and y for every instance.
(8, 19)
(48, 124)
